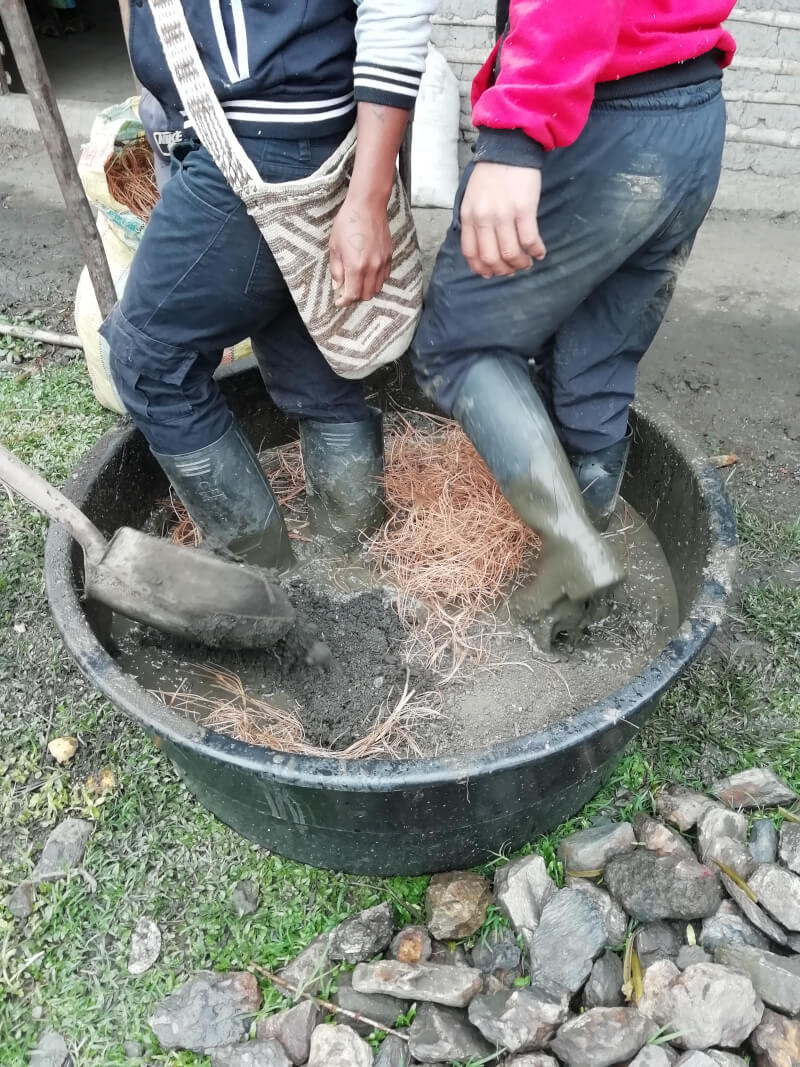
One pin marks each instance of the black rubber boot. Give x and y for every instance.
(344, 478)
(504, 417)
(228, 496)
(599, 476)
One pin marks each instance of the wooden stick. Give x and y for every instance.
(5, 78)
(65, 340)
(334, 1009)
(40, 92)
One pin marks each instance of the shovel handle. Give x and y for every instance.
(25, 481)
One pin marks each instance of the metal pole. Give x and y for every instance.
(40, 92)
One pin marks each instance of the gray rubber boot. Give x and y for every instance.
(344, 478)
(599, 476)
(228, 496)
(504, 417)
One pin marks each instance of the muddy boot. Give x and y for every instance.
(228, 496)
(344, 478)
(599, 476)
(503, 416)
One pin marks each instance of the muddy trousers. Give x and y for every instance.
(203, 279)
(618, 214)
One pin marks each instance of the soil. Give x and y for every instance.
(363, 670)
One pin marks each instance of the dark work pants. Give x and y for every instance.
(619, 213)
(202, 279)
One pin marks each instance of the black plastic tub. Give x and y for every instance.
(418, 816)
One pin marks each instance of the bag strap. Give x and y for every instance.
(198, 97)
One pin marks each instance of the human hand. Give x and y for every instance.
(360, 250)
(499, 229)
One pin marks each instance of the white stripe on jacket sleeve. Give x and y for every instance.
(392, 45)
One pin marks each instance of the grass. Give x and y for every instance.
(156, 852)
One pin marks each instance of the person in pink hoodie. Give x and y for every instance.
(600, 134)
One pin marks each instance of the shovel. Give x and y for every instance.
(183, 591)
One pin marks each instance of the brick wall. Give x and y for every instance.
(763, 91)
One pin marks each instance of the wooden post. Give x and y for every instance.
(405, 157)
(5, 88)
(40, 92)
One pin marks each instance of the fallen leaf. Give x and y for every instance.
(62, 749)
(728, 460)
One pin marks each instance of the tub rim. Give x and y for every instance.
(617, 708)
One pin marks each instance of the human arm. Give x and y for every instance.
(540, 100)
(392, 44)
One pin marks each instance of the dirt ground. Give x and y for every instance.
(725, 363)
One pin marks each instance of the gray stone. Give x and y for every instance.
(379, 1008)
(776, 1041)
(132, 1050)
(532, 1059)
(789, 850)
(708, 1005)
(498, 951)
(364, 936)
(655, 983)
(778, 892)
(602, 1036)
(51, 1051)
(309, 971)
(727, 852)
(730, 927)
(604, 988)
(411, 945)
(720, 822)
(63, 851)
(145, 946)
(691, 954)
(449, 955)
(522, 1021)
(521, 890)
(590, 850)
(20, 902)
(393, 1053)
(456, 904)
(754, 913)
(756, 788)
(570, 936)
(251, 1054)
(657, 941)
(682, 807)
(207, 1011)
(615, 919)
(293, 1029)
(655, 1056)
(776, 979)
(450, 986)
(695, 1059)
(649, 886)
(726, 1059)
(657, 837)
(244, 897)
(764, 841)
(439, 1033)
(338, 1046)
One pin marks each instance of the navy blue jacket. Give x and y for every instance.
(289, 68)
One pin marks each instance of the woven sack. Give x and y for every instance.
(296, 219)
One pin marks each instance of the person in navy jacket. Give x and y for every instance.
(293, 78)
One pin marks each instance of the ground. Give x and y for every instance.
(725, 364)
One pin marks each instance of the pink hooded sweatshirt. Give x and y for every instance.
(557, 51)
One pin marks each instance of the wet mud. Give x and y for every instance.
(515, 689)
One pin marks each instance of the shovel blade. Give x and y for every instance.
(189, 592)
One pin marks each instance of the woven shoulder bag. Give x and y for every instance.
(296, 219)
